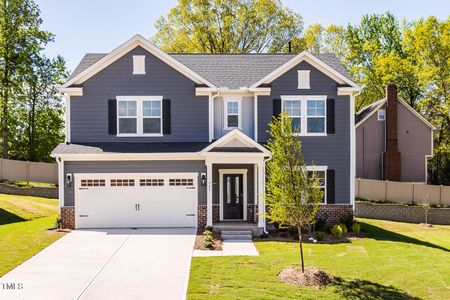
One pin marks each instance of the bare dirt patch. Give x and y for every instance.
(199, 242)
(311, 277)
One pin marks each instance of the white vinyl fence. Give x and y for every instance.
(406, 192)
(28, 171)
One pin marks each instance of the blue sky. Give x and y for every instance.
(101, 25)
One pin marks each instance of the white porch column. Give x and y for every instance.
(209, 202)
(261, 192)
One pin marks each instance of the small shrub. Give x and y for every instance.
(339, 230)
(208, 239)
(58, 222)
(356, 228)
(209, 228)
(348, 220)
(320, 225)
(319, 235)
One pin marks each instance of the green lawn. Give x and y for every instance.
(23, 228)
(394, 261)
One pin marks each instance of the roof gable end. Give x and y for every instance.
(117, 53)
(311, 59)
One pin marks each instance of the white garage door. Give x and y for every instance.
(135, 200)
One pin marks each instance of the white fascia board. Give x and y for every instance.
(314, 61)
(129, 156)
(117, 53)
(346, 91)
(71, 91)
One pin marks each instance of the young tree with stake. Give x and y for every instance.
(292, 195)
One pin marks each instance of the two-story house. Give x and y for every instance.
(177, 140)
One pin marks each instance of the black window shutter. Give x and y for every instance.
(112, 117)
(330, 116)
(330, 187)
(276, 107)
(166, 114)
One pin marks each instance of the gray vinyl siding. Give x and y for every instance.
(73, 167)
(370, 145)
(250, 180)
(89, 113)
(246, 114)
(414, 143)
(332, 150)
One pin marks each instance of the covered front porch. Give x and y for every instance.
(235, 182)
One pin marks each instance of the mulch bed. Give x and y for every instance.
(311, 277)
(329, 238)
(199, 242)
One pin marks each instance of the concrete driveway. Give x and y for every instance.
(107, 264)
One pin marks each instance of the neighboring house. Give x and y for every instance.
(393, 141)
(165, 140)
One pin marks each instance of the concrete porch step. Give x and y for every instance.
(236, 232)
(250, 228)
(236, 237)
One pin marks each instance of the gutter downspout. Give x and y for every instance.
(212, 97)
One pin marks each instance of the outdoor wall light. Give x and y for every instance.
(203, 179)
(68, 180)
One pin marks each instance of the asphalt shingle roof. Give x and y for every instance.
(229, 70)
(119, 147)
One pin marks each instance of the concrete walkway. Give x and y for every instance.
(107, 264)
(230, 248)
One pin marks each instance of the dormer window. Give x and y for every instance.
(138, 64)
(232, 113)
(303, 79)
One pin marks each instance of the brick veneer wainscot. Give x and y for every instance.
(334, 212)
(68, 217)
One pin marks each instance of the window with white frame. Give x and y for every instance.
(127, 116)
(138, 115)
(320, 173)
(232, 113)
(381, 115)
(294, 110)
(315, 114)
(308, 114)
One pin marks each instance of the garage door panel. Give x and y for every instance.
(147, 200)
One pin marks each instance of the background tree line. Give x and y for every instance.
(31, 110)
(415, 55)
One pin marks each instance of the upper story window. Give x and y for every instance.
(232, 113)
(139, 116)
(381, 115)
(303, 79)
(308, 114)
(138, 64)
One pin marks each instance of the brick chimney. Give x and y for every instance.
(391, 157)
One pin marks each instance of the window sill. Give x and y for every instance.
(310, 134)
(140, 135)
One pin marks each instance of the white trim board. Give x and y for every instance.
(117, 53)
(244, 185)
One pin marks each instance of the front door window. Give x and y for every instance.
(233, 195)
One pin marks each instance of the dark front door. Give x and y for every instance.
(233, 196)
